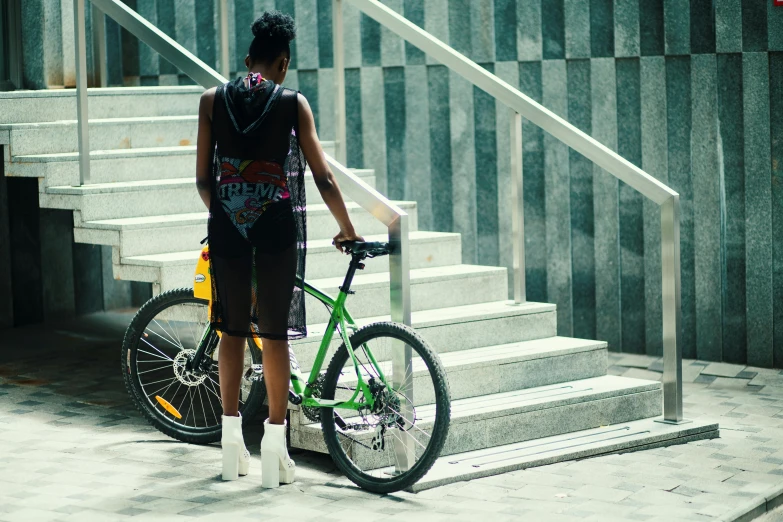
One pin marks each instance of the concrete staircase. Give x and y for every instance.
(550, 396)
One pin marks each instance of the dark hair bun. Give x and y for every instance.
(273, 32)
(274, 26)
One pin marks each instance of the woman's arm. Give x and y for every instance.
(204, 145)
(324, 179)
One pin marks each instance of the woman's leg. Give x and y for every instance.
(232, 282)
(277, 375)
(231, 363)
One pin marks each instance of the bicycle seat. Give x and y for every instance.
(367, 248)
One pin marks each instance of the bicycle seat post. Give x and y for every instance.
(356, 263)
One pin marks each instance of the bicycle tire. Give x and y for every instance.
(162, 422)
(440, 427)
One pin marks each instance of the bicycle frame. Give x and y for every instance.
(340, 320)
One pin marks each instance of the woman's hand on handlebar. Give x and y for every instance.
(342, 237)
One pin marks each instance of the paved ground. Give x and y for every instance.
(73, 449)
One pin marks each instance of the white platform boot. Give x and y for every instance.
(236, 458)
(276, 466)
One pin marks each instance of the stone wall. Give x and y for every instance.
(689, 90)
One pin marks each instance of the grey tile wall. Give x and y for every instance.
(690, 90)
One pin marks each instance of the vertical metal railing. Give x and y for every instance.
(82, 129)
(602, 156)
(339, 81)
(225, 60)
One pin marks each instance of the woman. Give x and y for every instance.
(250, 174)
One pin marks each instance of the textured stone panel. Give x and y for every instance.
(418, 179)
(373, 124)
(677, 28)
(463, 165)
(654, 162)
(582, 211)
(557, 181)
(482, 33)
(601, 28)
(371, 40)
(505, 30)
(436, 22)
(484, 121)
(679, 127)
(728, 26)
(606, 206)
(534, 189)
(702, 27)
(392, 46)
(325, 43)
(440, 146)
(529, 27)
(776, 130)
(626, 28)
(706, 207)
(394, 96)
(413, 10)
(631, 221)
(651, 40)
(353, 117)
(758, 208)
(459, 26)
(754, 25)
(732, 170)
(553, 29)
(577, 28)
(306, 35)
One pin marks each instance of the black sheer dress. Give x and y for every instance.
(257, 235)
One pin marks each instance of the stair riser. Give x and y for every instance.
(52, 106)
(320, 225)
(467, 434)
(503, 375)
(372, 301)
(164, 166)
(320, 263)
(66, 173)
(105, 136)
(109, 135)
(442, 339)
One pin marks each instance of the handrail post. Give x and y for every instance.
(83, 133)
(100, 66)
(672, 311)
(518, 209)
(402, 368)
(340, 152)
(225, 64)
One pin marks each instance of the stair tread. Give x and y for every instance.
(446, 316)
(101, 121)
(533, 399)
(548, 450)
(506, 353)
(194, 218)
(313, 246)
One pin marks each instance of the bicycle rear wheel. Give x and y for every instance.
(369, 446)
(160, 339)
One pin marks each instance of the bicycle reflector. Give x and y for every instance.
(168, 407)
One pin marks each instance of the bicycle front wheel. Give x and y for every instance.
(182, 403)
(392, 445)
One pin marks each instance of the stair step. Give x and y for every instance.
(511, 417)
(139, 246)
(455, 328)
(617, 438)
(502, 368)
(112, 102)
(105, 134)
(134, 199)
(175, 235)
(174, 163)
(431, 287)
(54, 137)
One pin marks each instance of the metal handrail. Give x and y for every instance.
(601, 155)
(368, 198)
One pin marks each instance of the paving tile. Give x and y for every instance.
(723, 369)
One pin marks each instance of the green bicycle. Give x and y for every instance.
(380, 432)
